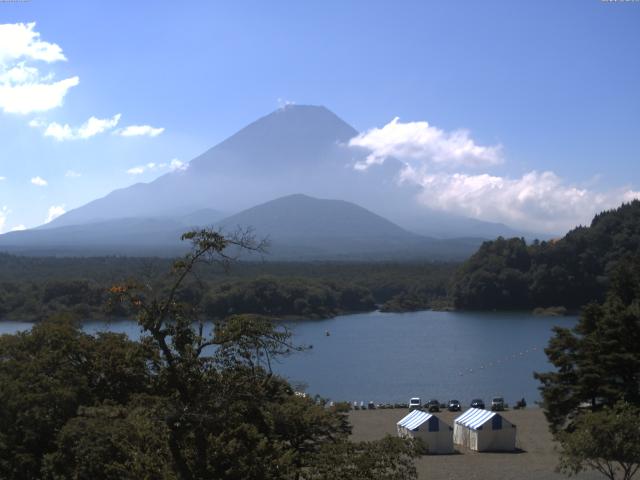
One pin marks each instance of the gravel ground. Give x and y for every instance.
(536, 458)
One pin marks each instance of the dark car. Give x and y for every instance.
(497, 404)
(453, 406)
(433, 406)
(477, 403)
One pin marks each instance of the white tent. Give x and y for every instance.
(436, 434)
(482, 430)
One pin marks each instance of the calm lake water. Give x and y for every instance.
(390, 357)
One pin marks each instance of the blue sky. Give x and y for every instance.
(550, 86)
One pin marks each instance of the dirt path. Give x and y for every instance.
(536, 459)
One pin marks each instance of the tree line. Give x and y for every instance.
(570, 272)
(31, 287)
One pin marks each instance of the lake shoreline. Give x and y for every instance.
(539, 312)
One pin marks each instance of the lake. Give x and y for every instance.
(390, 357)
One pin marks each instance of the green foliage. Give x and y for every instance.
(32, 288)
(570, 272)
(110, 442)
(178, 404)
(287, 297)
(46, 374)
(607, 441)
(598, 361)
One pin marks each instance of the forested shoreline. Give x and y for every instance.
(32, 288)
(509, 274)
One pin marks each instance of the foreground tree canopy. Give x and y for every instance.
(592, 399)
(185, 402)
(607, 441)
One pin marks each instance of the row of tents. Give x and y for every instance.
(476, 429)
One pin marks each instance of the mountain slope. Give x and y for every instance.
(301, 216)
(121, 236)
(264, 160)
(298, 148)
(298, 227)
(303, 228)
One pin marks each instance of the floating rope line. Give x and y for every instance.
(500, 361)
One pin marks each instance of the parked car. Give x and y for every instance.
(522, 403)
(414, 403)
(477, 403)
(497, 404)
(453, 406)
(433, 405)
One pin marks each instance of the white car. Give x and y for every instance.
(414, 403)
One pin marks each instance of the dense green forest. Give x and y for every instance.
(35, 287)
(569, 272)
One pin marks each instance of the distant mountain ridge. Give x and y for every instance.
(298, 227)
(301, 216)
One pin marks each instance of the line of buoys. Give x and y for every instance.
(498, 362)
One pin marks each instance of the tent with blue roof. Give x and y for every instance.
(482, 430)
(437, 435)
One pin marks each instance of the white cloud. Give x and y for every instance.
(18, 228)
(19, 74)
(19, 40)
(37, 123)
(445, 167)
(72, 174)
(54, 212)
(284, 103)
(39, 181)
(140, 130)
(2, 178)
(59, 132)
(34, 97)
(176, 164)
(4, 211)
(539, 202)
(88, 129)
(22, 87)
(420, 142)
(173, 166)
(94, 126)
